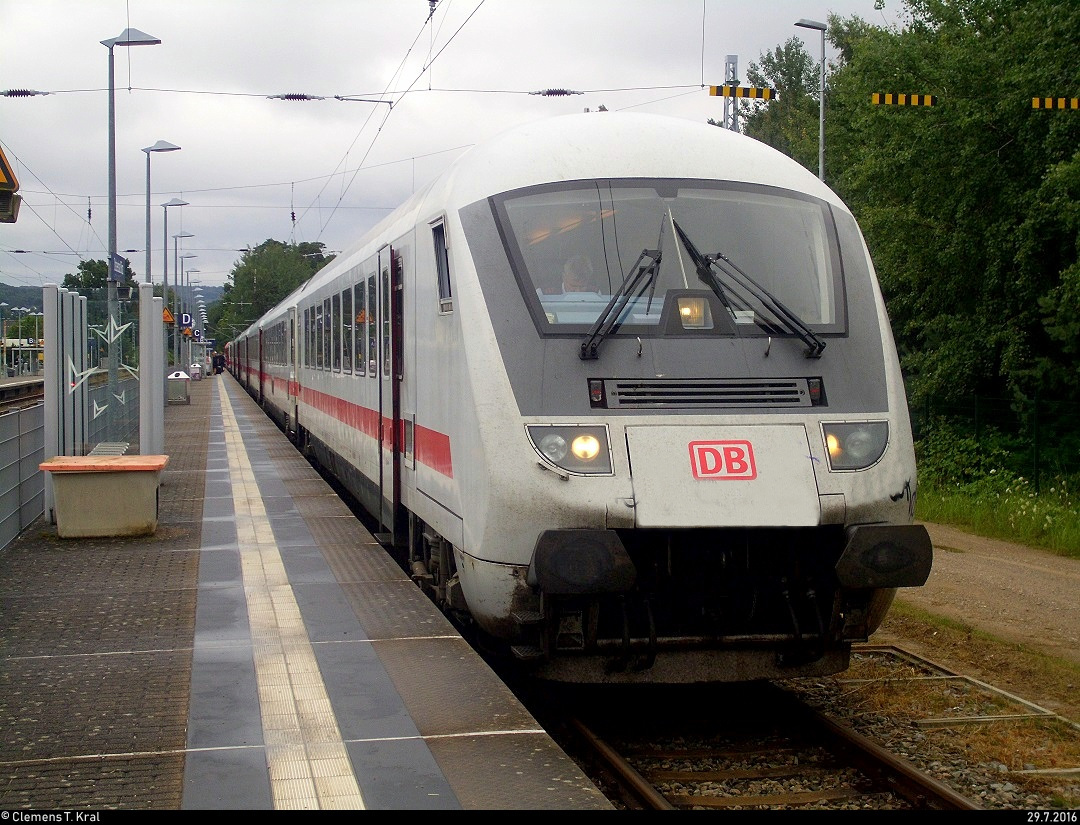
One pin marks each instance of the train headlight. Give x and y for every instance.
(577, 449)
(694, 312)
(855, 446)
(553, 447)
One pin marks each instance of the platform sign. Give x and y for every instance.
(116, 271)
(185, 320)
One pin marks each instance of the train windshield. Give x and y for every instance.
(576, 245)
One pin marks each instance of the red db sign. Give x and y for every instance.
(722, 460)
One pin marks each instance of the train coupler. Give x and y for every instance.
(804, 649)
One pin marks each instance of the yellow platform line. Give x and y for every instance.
(309, 766)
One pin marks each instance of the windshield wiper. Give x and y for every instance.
(707, 267)
(640, 277)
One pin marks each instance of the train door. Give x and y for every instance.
(262, 367)
(292, 386)
(390, 336)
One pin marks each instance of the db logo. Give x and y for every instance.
(724, 460)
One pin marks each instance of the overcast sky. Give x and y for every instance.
(248, 163)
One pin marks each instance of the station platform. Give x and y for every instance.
(259, 651)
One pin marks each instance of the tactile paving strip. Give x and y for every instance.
(309, 765)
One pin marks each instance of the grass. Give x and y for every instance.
(1042, 743)
(1009, 508)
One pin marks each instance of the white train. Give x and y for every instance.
(697, 466)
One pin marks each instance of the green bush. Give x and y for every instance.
(966, 482)
(949, 456)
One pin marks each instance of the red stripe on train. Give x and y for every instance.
(431, 448)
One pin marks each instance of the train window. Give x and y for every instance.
(318, 337)
(764, 247)
(442, 266)
(308, 332)
(361, 330)
(348, 321)
(372, 308)
(326, 336)
(335, 336)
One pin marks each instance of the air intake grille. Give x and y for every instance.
(675, 393)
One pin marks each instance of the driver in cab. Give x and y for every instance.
(578, 277)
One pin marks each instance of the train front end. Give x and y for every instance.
(712, 475)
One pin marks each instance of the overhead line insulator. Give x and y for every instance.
(295, 96)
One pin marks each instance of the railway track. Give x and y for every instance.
(807, 761)
(17, 393)
(896, 731)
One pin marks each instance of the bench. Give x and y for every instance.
(105, 495)
(110, 448)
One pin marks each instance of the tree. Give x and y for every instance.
(260, 280)
(92, 282)
(94, 275)
(968, 206)
(790, 123)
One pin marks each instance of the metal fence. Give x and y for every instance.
(22, 449)
(1040, 437)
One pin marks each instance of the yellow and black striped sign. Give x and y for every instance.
(8, 181)
(753, 92)
(890, 99)
(1055, 103)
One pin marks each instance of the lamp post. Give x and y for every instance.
(160, 146)
(20, 313)
(179, 332)
(176, 294)
(3, 338)
(37, 342)
(128, 37)
(165, 282)
(821, 27)
(189, 309)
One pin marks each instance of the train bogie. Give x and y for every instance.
(620, 391)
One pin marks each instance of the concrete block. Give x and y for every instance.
(105, 495)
